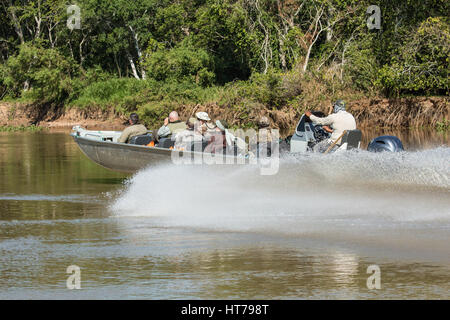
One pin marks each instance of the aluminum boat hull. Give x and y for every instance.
(129, 158)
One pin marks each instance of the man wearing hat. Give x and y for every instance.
(264, 134)
(263, 122)
(203, 124)
(217, 137)
(339, 121)
(264, 137)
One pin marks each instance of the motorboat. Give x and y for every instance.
(102, 147)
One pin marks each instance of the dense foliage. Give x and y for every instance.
(150, 54)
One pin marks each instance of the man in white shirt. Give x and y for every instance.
(339, 121)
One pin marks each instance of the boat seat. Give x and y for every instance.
(141, 140)
(166, 143)
(352, 138)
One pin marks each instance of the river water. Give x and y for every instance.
(179, 232)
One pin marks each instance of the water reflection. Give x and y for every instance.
(176, 264)
(412, 139)
(48, 164)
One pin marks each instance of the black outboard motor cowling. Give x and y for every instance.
(385, 143)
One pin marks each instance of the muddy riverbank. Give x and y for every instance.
(417, 112)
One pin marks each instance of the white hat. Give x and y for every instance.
(202, 116)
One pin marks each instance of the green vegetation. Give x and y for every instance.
(31, 128)
(443, 125)
(151, 56)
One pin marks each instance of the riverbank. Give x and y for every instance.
(15, 114)
(399, 113)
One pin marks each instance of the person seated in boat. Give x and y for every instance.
(135, 129)
(264, 138)
(211, 127)
(203, 125)
(217, 141)
(231, 143)
(185, 138)
(337, 122)
(172, 125)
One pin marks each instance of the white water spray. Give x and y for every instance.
(311, 193)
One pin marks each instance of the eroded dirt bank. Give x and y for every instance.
(14, 114)
(369, 113)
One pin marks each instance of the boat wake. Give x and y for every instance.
(358, 196)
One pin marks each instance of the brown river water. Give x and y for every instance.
(177, 232)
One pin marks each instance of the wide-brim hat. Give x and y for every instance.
(222, 125)
(202, 116)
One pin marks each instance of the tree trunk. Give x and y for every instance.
(133, 66)
(138, 50)
(317, 30)
(81, 51)
(308, 53)
(329, 30)
(117, 65)
(266, 42)
(17, 26)
(38, 20)
(281, 51)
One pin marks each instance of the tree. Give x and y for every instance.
(46, 70)
(422, 64)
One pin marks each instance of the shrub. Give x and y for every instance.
(423, 61)
(361, 66)
(154, 113)
(3, 87)
(267, 88)
(46, 72)
(120, 93)
(180, 64)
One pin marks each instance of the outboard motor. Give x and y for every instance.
(385, 143)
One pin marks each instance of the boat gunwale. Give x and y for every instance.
(139, 148)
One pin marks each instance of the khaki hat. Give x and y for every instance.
(202, 116)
